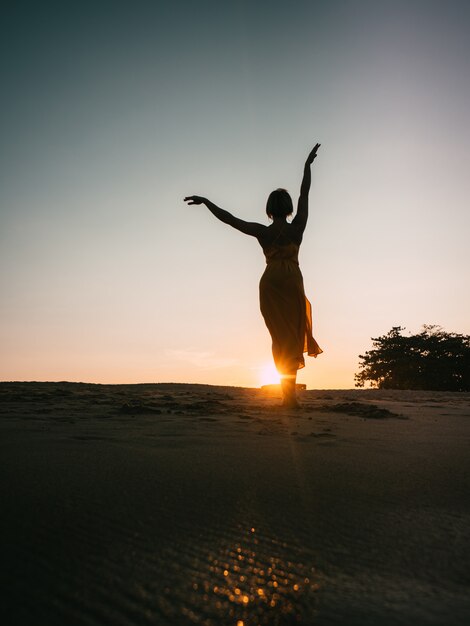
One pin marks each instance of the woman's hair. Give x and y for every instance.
(279, 204)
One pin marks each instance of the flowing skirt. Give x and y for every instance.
(288, 315)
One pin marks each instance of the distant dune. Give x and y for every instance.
(192, 504)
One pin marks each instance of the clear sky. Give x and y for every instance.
(112, 112)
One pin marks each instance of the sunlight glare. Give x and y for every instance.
(269, 375)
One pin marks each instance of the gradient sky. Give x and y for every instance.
(112, 112)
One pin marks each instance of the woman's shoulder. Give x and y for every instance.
(274, 234)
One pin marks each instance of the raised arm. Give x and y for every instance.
(248, 228)
(300, 220)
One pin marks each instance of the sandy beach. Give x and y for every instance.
(190, 504)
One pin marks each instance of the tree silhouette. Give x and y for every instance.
(430, 360)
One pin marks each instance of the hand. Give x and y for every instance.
(313, 154)
(194, 199)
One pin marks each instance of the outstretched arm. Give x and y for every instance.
(302, 207)
(249, 228)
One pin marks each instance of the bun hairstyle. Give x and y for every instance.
(279, 204)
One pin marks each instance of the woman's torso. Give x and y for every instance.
(281, 241)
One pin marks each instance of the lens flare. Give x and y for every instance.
(269, 375)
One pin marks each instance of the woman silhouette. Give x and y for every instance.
(283, 303)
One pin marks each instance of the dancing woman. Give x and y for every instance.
(283, 303)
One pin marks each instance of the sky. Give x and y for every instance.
(112, 112)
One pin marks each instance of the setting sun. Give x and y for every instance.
(269, 375)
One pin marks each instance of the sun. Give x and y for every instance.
(269, 375)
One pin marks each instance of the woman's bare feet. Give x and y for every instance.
(288, 391)
(291, 403)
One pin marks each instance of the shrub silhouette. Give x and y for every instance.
(430, 360)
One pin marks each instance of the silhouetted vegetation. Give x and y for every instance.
(431, 360)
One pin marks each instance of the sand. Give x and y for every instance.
(191, 504)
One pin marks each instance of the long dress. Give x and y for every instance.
(285, 308)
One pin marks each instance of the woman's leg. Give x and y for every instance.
(288, 382)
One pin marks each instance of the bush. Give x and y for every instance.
(430, 360)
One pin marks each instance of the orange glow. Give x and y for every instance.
(269, 375)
